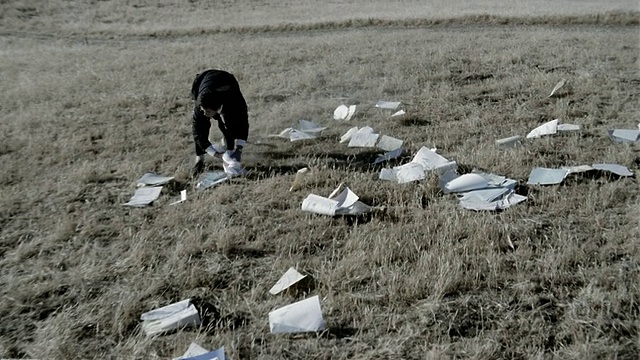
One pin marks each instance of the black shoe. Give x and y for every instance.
(197, 169)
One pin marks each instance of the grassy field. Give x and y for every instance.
(94, 96)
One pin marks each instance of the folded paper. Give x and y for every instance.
(171, 317)
(144, 196)
(302, 316)
(291, 277)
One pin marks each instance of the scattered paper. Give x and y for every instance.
(144, 196)
(298, 180)
(171, 317)
(624, 135)
(466, 182)
(302, 316)
(550, 128)
(391, 105)
(307, 130)
(512, 141)
(568, 127)
(545, 176)
(426, 160)
(614, 168)
(347, 136)
(398, 113)
(183, 197)
(506, 201)
(342, 201)
(153, 179)
(310, 127)
(559, 85)
(289, 278)
(363, 137)
(343, 112)
(210, 179)
(389, 155)
(193, 350)
(197, 352)
(388, 143)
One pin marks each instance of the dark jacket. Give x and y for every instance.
(233, 119)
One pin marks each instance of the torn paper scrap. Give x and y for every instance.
(388, 143)
(431, 160)
(547, 128)
(343, 112)
(217, 354)
(310, 127)
(289, 278)
(302, 316)
(193, 351)
(567, 127)
(153, 179)
(171, 317)
(545, 176)
(389, 155)
(144, 196)
(624, 135)
(512, 141)
(210, 179)
(391, 105)
(183, 198)
(363, 137)
(614, 168)
(398, 113)
(342, 201)
(559, 85)
(347, 136)
(298, 180)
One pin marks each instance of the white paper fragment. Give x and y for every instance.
(388, 143)
(342, 201)
(297, 135)
(210, 179)
(308, 130)
(144, 196)
(398, 113)
(391, 105)
(567, 127)
(577, 169)
(217, 354)
(193, 350)
(614, 168)
(352, 111)
(466, 182)
(512, 141)
(347, 136)
(486, 195)
(302, 316)
(153, 179)
(341, 112)
(289, 278)
(508, 200)
(171, 317)
(310, 127)
(297, 181)
(389, 155)
(547, 128)
(183, 198)
(624, 135)
(364, 137)
(409, 172)
(389, 174)
(426, 160)
(545, 176)
(431, 160)
(559, 85)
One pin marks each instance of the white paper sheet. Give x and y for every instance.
(342, 201)
(624, 135)
(298, 180)
(429, 159)
(545, 176)
(302, 316)
(391, 105)
(289, 278)
(409, 172)
(466, 182)
(210, 179)
(388, 143)
(310, 127)
(364, 137)
(171, 317)
(547, 128)
(193, 350)
(319, 205)
(341, 112)
(217, 354)
(398, 113)
(153, 179)
(508, 200)
(297, 135)
(509, 142)
(614, 168)
(347, 136)
(568, 127)
(558, 86)
(144, 196)
(393, 154)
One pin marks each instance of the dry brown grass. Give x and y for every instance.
(83, 118)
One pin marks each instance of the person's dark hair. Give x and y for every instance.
(208, 100)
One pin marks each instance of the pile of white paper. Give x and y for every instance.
(344, 112)
(550, 128)
(291, 277)
(197, 352)
(302, 316)
(342, 201)
(425, 161)
(481, 191)
(171, 317)
(307, 130)
(547, 176)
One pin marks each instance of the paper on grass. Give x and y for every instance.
(624, 135)
(183, 197)
(153, 179)
(310, 127)
(363, 137)
(391, 105)
(512, 141)
(347, 136)
(506, 201)
(388, 143)
(297, 181)
(614, 168)
(426, 160)
(398, 113)
(171, 317)
(302, 316)
(466, 182)
(197, 352)
(289, 278)
(342, 201)
(545, 176)
(343, 112)
(144, 196)
(558, 86)
(547, 128)
(389, 155)
(567, 127)
(210, 179)
(193, 350)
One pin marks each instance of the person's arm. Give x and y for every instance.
(200, 129)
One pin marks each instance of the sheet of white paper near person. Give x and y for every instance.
(171, 317)
(299, 179)
(344, 112)
(197, 352)
(291, 277)
(342, 201)
(153, 179)
(144, 196)
(558, 86)
(302, 316)
(210, 179)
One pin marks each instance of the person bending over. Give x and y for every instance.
(217, 96)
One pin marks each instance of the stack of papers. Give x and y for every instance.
(171, 317)
(302, 316)
(425, 161)
(307, 130)
(342, 201)
(482, 191)
(367, 137)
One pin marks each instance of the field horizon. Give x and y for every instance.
(96, 95)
